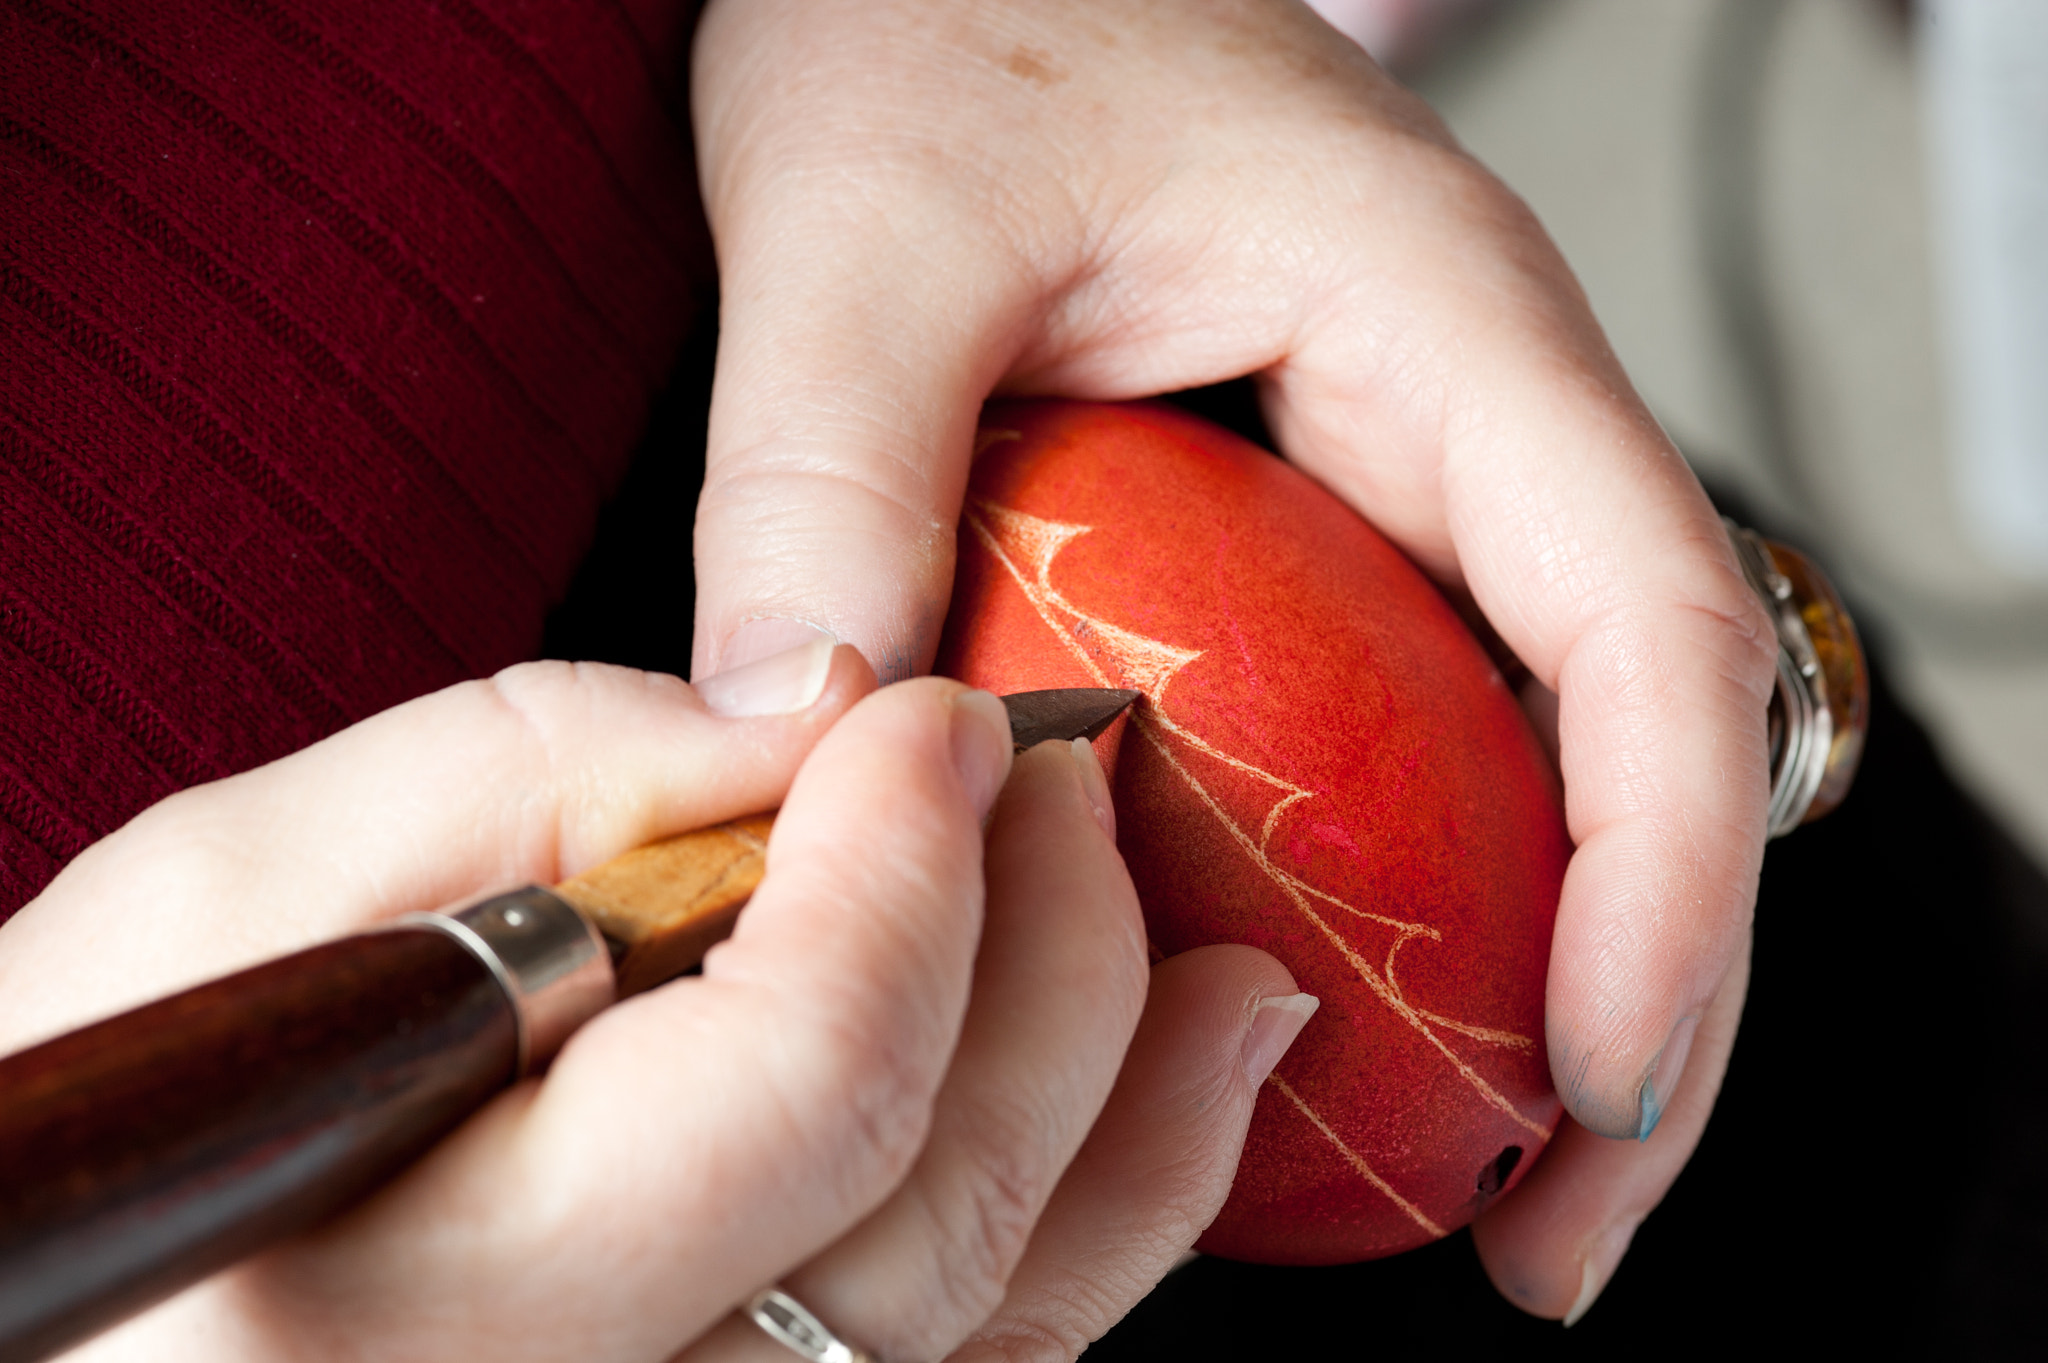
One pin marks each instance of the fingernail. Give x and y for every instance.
(780, 684)
(1095, 785)
(982, 748)
(1665, 1073)
(1274, 1026)
(1603, 1256)
(758, 639)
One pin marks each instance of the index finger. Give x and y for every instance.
(694, 1142)
(1482, 422)
(532, 775)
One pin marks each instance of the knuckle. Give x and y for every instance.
(887, 1126)
(985, 1226)
(550, 703)
(1057, 1320)
(870, 474)
(536, 699)
(886, 1066)
(1460, 190)
(860, 1130)
(1705, 612)
(1022, 1341)
(1733, 611)
(193, 837)
(892, 1112)
(531, 695)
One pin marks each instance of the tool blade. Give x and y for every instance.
(1069, 713)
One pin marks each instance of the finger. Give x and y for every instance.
(1426, 353)
(692, 1142)
(535, 774)
(863, 321)
(1058, 986)
(914, 203)
(1553, 1244)
(1159, 1163)
(1529, 470)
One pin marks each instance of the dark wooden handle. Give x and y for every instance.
(142, 1153)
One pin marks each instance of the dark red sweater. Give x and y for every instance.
(325, 326)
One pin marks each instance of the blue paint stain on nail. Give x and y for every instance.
(1669, 1066)
(1652, 1108)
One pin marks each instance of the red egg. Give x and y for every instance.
(1326, 765)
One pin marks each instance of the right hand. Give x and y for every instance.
(946, 1127)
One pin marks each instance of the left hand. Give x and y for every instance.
(917, 203)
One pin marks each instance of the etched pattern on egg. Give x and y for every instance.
(1288, 1207)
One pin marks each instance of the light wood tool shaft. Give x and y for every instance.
(664, 905)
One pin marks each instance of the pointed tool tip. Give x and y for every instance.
(1074, 712)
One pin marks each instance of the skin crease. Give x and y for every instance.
(919, 202)
(907, 1108)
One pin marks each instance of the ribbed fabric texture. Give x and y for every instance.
(324, 330)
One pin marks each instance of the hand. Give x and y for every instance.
(918, 202)
(934, 1124)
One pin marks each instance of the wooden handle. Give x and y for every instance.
(142, 1153)
(671, 901)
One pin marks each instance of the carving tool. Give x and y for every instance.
(144, 1152)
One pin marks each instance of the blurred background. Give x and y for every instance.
(1816, 232)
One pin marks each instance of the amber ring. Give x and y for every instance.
(789, 1324)
(1821, 706)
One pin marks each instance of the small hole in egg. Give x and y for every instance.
(1495, 1175)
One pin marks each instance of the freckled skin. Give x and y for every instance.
(1035, 65)
(1326, 766)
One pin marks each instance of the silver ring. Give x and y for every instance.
(1806, 750)
(789, 1324)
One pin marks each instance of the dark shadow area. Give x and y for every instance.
(634, 597)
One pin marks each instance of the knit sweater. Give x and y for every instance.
(325, 328)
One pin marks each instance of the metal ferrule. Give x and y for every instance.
(551, 961)
(1801, 726)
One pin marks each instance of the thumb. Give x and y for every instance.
(834, 472)
(861, 326)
